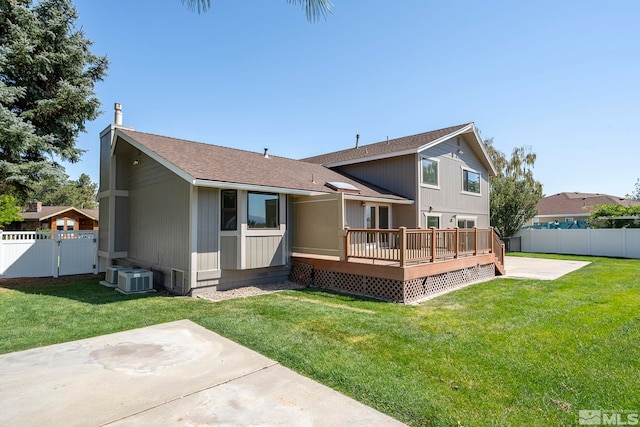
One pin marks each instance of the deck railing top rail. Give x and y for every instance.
(408, 246)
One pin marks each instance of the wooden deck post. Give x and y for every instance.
(475, 249)
(347, 243)
(457, 242)
(491, 239)
(433, 244)
(403, 246)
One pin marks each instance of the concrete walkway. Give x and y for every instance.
(176, 373)
(539, 268)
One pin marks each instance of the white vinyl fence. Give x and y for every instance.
(45, 254)
(616, 242)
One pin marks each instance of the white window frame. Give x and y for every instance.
(377, 206)
(466, 218)
(422, 183)
(433, 214)
(470, 193)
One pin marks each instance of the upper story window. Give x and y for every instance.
(470, 181)
(229, 210)
(430, 172)
(263, 210)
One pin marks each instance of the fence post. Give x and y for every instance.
(491, 237)
(403, 245)
(56, 254)
(1, 253)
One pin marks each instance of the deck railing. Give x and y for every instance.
(410, 246)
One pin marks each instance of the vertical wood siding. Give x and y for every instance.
(160, 213)
(449, 199)
(263, 251)
(395, 174)
(208, 211)
(229, 252)
(354, 214)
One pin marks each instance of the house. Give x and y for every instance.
(573, 206)
(446, 172)
(205, 217)
(62, 218)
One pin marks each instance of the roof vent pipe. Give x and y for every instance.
(117, 119)
(357, 139)
(266, 153)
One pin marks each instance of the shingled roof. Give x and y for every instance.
(578, 203)
(49, 211)
(385, 148)
(203, 163)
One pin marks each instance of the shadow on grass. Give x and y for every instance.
(88, 291)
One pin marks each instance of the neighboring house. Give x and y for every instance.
(61, 218)
(574, 206)
(203, 217)
(445, 171)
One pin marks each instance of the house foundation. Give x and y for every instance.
(388, 283)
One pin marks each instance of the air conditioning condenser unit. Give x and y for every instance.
(135, 280)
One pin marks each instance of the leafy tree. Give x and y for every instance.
(47, 77)
(615, 216)
(79, 193)
(514, 193)
(9, 209)
(315, 9)
(635, 194)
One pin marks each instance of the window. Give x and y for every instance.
(229, 210)
(466, 223)
(471, 181)
(429, 172)
(263, 210)
(433, 221)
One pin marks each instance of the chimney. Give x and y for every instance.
(266, 153)
(117, 120)
(357, 139)
(34, 206)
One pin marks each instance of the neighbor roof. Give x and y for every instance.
(205, 163)
(399, 146)
(578, 203)
(49, 211)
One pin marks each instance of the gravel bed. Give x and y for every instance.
(249, 291)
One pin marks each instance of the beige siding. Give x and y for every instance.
(317, 225)
(263, 251)
(229, 252)
(208, 209)
(404, 216)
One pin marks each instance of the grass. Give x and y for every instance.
(505, 352)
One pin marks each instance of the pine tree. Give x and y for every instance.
(47, 78)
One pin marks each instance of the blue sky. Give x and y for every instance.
(560, 77)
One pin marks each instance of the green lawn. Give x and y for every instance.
(505, 352)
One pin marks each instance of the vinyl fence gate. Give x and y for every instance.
(47, 254)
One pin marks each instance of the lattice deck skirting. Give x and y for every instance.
(387, 289)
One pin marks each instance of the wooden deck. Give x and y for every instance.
(404, 265)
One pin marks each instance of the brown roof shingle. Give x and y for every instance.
(578, 203)
(48, 211)
(216, 163)
(382, 148)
